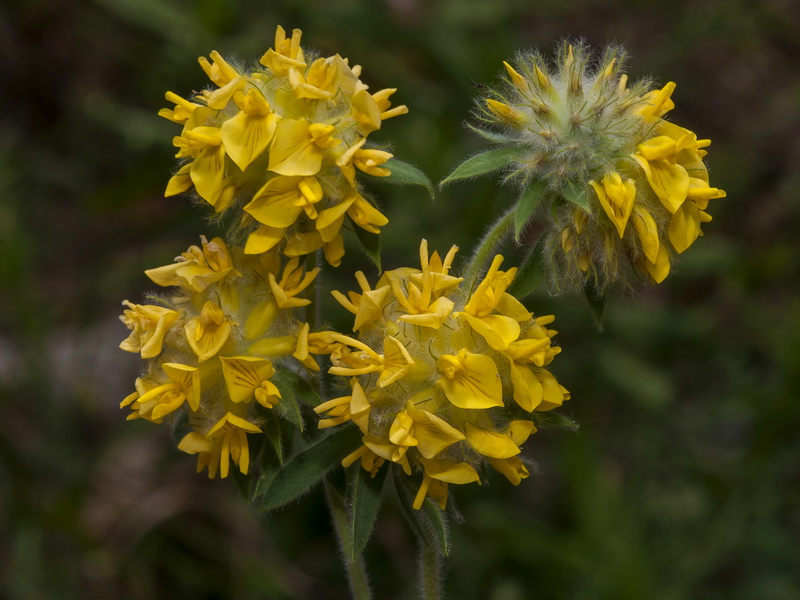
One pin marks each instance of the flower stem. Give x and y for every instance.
(488, 244)
(430, 574)
(356, 570)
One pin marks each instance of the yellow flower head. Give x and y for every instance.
(214, 345)
(283, 142)
(442, 380)
(624, 188)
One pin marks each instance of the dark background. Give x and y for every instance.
(683, 482)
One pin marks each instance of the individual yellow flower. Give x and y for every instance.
(287, 54)
(182, 385)
(617, 199)
(366, 306)
(226, 441)
(148, 324)
(430, 392)
(197, 268)
(208, 332)
(489, 298)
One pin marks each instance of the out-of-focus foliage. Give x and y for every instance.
(683, 481)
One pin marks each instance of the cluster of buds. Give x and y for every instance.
(211, 344)
(281, 143)
(618, 181)
(441, 381)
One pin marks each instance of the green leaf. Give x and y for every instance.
(577, 195)
(404, 173)
(526, 205)
(292, 388)
(429, 523)
(364, 499)
(306, 469)
(485, 162)
(371, 245)
(529, 275)
(597, 304)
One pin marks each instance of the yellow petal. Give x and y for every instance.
(180, 182)
(207, 172)
(513, 469)
(490, 443)
(194, 443)
(670, 182)
(659, 270)
(277, 204)
(366, 216)
(246, 136)
(498, 331)
(293, 150)
(244, 374)
(527, 389)
(647, 230)
(263, 239)
(684, 226)
(397, 362)
(552, 393)
(459, 473)
(470, 380)
(433, 433)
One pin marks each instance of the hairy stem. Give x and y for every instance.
(487, 246)
(430, 574)
(355, 567)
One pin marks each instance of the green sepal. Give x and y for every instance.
(404, 173)
(526, 205)
(494, 137)
(364, 499)
(293, 389)
(553, 419)
(305, 470)
(370, 244)
(577, 196)
(429, 523)
(530, 274)
(597, 304)
(485, 162)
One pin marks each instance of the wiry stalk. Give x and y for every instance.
(487, 246)
(356, 569)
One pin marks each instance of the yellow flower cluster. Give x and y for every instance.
(441, 381)
(620, 181)
(283, 142)
(210, 346)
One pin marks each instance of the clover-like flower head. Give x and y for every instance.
(212, 345)
(441, 381)
(281, 144)
(621, 185)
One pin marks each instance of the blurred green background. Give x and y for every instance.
(683, 482)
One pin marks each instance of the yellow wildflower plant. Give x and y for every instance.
(213, 345)
(442, 381)
(280, 143)
(621, 185)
